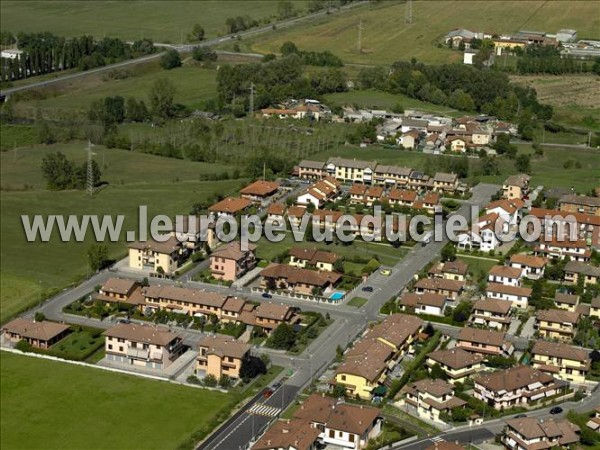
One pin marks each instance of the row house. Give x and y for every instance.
(533, 266)
(192, 302)
(276, 214)
(449, 288)
(391, 175)
(147, 346)
(429, 202)
(491, 313)
(561, 360)
(230, 207)
(556, 324)
(516, 295)
(229, 262)
(373, 194)
(340, 424)
(312, 170)
(552, 248)
(445, 182)
(484, 342)
(568, 302)
(299, 280)
(557, 223)
(37, 334)
(321, 260)
(576, 269)
(431, 398)
(510, 276)
(458, 364)
(433, 304)
(350, 170)
(517, 386)
(220, 355)
(357, 193)
(595, 308)
(269, 316)
(402, 197)
(450, 270)
(580, 204)
(117, 290)
(419, 180)
(531, 433)
(154, 256)
(516, 186)
(260, 191)
(367, 364)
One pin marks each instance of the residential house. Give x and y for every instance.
(391, 175)
(433, 304)
(357, 193)
(533, 266)
(509, 276)
(350, 170)
(560, 360)
(230, 262)
(553, 248)
(322, 260)
(556, 324)
(220, 355)
(516, 186)
(431, 398)
(491, 313)
(484, 342)
(341, 424)
(402, 197)
(314, 170)
(409, 139)
(508, 210)
(373, 194)
(449, 288)
(531, 433)
(516, 295)
(260, 191)
(445, 182)
(567, 302)
(37, 334)
(319, 193)
(194, 233)
(576, 269)
(275, 213)
(117, 290)
(155, 256)
(269, 316)
(142, 345)
(418, 180)
(482, 235)
(459, 143)
(298, 280)
(580, 203)
(450, 270)
(458, 364)
(517, 386)
(230, 207)
(429, 202)
(289, 435)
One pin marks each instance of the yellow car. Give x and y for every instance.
(386, 272)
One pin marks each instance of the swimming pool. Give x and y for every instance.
(336, 296)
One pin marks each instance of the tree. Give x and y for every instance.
(283, 337)
(58, 171)
(462, 312)
(210, 381)
(252, 367)
(39, 316)
(204, 54)
(438, 373)
(224, 381)
(523, 163)
(162, 94)
(489, 165)
(170, 59)
(448, 252)
(197, 33)
(97, 256)
(288, 48)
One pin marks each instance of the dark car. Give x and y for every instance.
(276, 385)
(267, 392)
(520, 416)
(266, 295)
(556, 410)
(368, 289)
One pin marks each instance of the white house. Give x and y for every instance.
(518, 296)
(508, 210)
(427, 303)
(533, 266)
(510, 276)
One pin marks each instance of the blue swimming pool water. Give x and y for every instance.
(336, 295)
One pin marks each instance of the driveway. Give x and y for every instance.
(528, 329)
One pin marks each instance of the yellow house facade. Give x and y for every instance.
(556, 324)
(561, 360)
(221, 355)
(458, 364)
(155, 256)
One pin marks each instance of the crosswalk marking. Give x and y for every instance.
(437, 439)
(261, 409)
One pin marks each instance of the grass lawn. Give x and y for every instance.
(357, 302)
(72, 407)
(477, 265)
(163, 21)
(14, 136)
(79, 344)
(387, 254)
(386, 38)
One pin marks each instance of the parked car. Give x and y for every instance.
(556, 410)
(266, 295)
(276, 385)
(368, 289)
(267, 392)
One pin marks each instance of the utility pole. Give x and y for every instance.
(359, 44)
(251, 99)
(90, 170)
(408, 17)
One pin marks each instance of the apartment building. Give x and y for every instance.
(491, 313)
(530, 433)
(484, 342)
(142, 345)
(37, 334)
(155, 256)
(556, 324)
(508, 210)
(533, 266)
(560, 224)
(561, 360)
(351, 170)
(221, 355)
(321, 260)
(230, 262)
(458, 364)
(552, 248)
(517, 386)
(430, 399)
(516, 295)
(576, 269)
(391, 175)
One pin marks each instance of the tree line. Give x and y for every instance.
(61, 173)
(46, 53)
(547, 59)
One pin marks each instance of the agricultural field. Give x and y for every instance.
(386, 38)
(78, 407)
(162, 21)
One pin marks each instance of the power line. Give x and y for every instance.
(90, 170)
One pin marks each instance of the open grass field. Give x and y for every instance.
(83, 408)
(386, 38)
(478, 264)
(194, 85)
(162, 21)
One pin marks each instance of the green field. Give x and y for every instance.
(387, 38)
(477, 264)
(82, 408)
(162, 21)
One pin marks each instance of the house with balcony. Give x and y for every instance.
(484, 342)
(312, 170)
(445, 182)
(508, 210)
(37, 334)
(569, 226)
(311, 257)
(595, 308)
(567, 362)
(276, 213)
(194, 232)
(429, 202)
(576, 269)
(221, 355)
(319, 193)
(517, 386)
(508, 276)
(568, 302)
(430, 399)
(229, 262)
(556, 324)
(457, 363)
(142, 345)
(450, 270)
(516, 186)
(350, 170)
(533, 266)
(552, 248)
(391, 175)
(156, 257)
(357, 193)
(532, 433)
(516, 295)
(491, 313)
(374, 194)
(269, 316)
